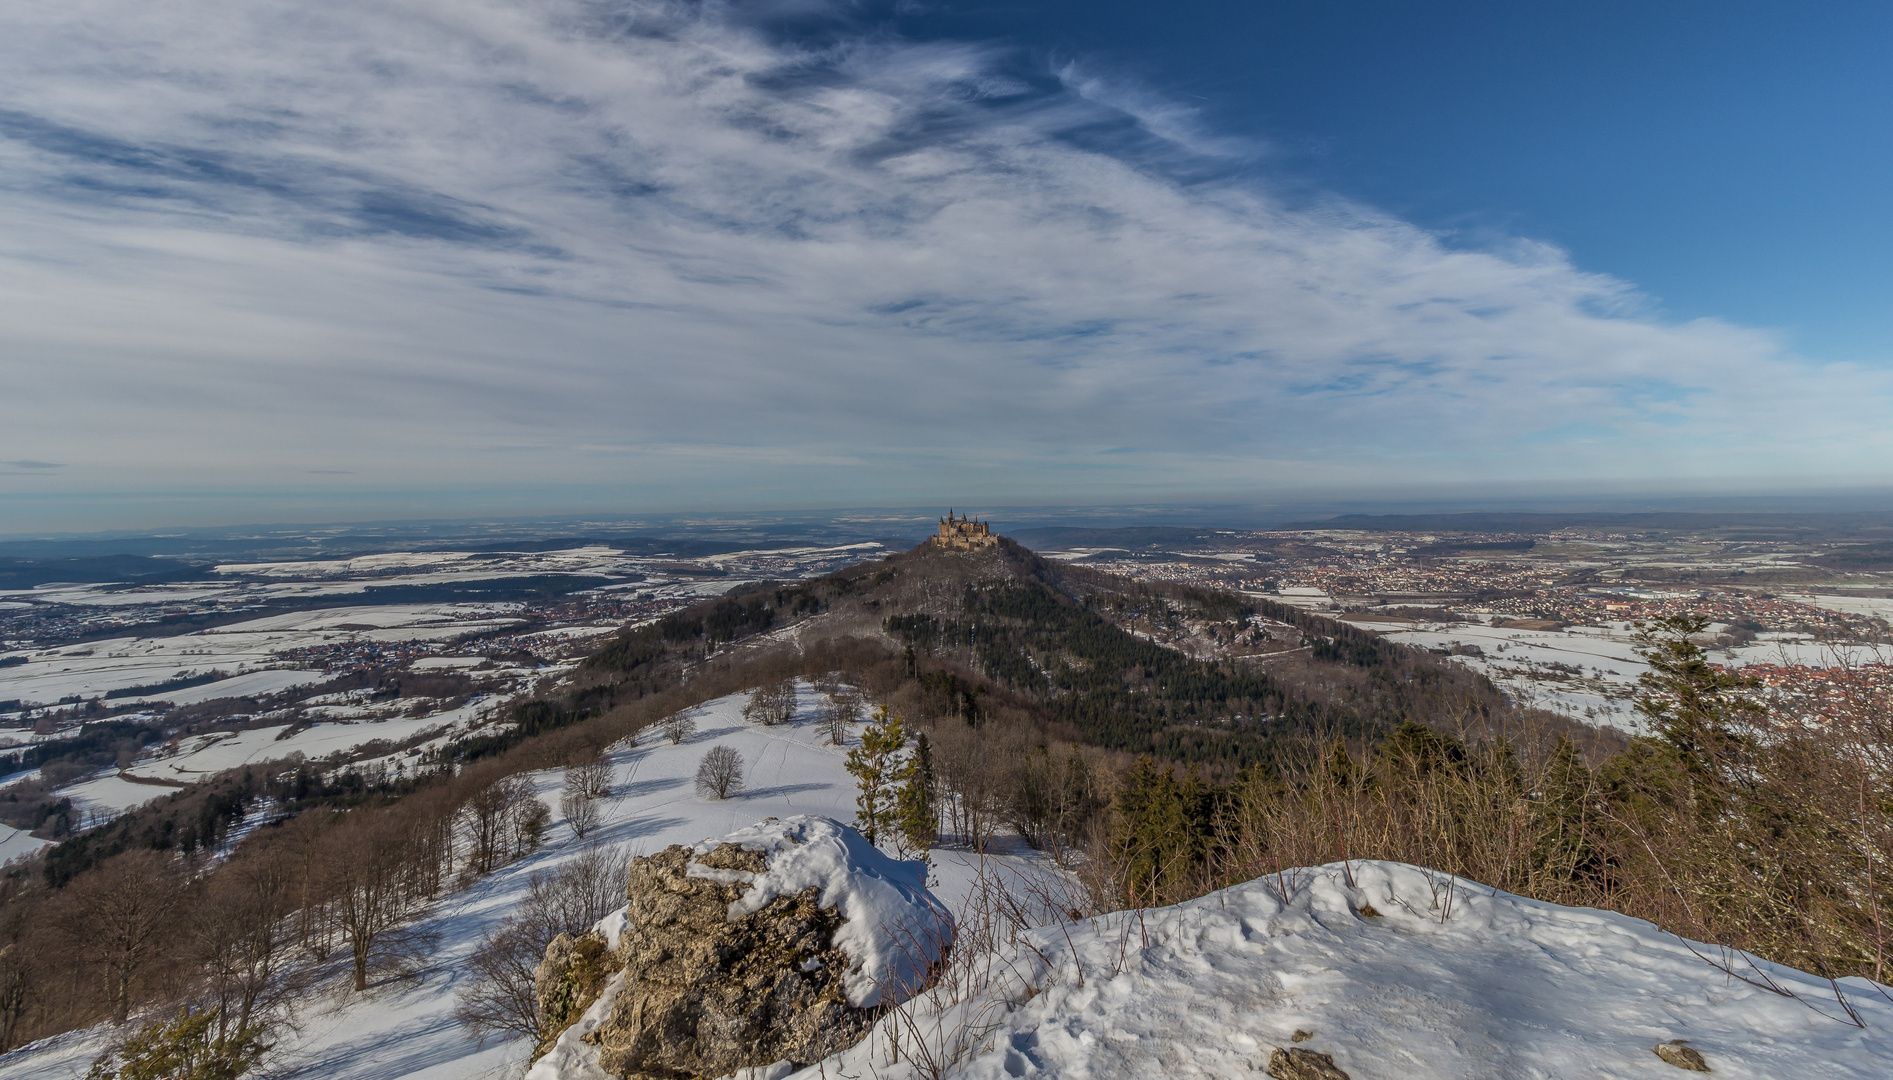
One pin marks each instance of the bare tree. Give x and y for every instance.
(972, 767)
(17, 991)
(585, 786)
(580, 810)
(369, 862)
(570, 899)
(721, 772)
(842, 708)
(528, 822)
(241, 935)
(490, 814)
(502, 997)
(771, 704)
(678, 726)
(593, 777)
(121, 919)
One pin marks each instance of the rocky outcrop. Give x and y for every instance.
(706, 994)
(568, 980)
(1294, 1063)
(781, 943)
(1681, 1055)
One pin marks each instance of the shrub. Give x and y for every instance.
(772, 704)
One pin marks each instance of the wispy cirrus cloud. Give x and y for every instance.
(659, 248)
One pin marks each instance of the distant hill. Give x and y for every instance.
(1002, 636)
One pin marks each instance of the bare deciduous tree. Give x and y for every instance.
(369, 858)
(720, 773)
(593, 777)
(581, 812)
(842, 708)
(241, 935)
(772, 703)
(678, 726)
(502, 997)
(585, 786)
(490, 814)
(120, 918)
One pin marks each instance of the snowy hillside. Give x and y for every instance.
(405, 1027)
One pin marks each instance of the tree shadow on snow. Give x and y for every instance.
(637, 789)
(781, 789)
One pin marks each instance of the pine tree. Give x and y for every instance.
(1161, 831)
(183, 1049)
(1563, 817)
(876, 765)
(1690, 703)
(918, 817)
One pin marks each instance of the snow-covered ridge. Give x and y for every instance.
(893, 928)
(1443, 980)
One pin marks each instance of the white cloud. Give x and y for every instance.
(481, 245)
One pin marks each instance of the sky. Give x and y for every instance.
(419, 258)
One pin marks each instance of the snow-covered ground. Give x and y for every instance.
(1876, 607)
(1522, 663)
(1488, 985)
(15, 843)
(108, 794)
(201, 756)
(405, 1027)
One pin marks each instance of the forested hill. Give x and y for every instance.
(1002, 636)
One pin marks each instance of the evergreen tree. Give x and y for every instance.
(1564, 817)
(1161, 832)
(183, 1049)
(918, 817)
(1692, 705)
(877, 766)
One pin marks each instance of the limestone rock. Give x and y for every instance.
(783, 943)
(1295, 1063)
(1681, 1055)
(568, 980)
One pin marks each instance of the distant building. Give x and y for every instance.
(964, 534)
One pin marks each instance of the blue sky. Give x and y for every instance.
(421, 258)
(1729, 158)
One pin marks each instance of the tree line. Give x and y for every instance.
(1766, 830)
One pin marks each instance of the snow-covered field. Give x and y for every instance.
(15, 843)
(99, 667)
(1533, 665)
(202, 756)
(1876, 607)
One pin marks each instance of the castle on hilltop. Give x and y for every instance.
(964, 534)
